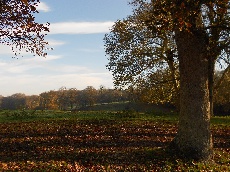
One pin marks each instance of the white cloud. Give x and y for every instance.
(43, 7)
(23, 64)
(5, 49)
(38, 74)
(36, 84)
(80, 27)
(70, 69)
(55, 42)
(40, 59)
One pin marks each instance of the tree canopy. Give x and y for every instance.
(141, 59)
(142, 51)
(19, 29)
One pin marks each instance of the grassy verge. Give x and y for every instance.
(28, 116)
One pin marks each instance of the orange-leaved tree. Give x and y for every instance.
(19, 29)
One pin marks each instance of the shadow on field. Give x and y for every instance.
(91, 142)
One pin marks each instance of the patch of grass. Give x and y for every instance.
(28, 116)
(218, 120)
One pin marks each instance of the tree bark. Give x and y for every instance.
(193, 140)
(211, 69)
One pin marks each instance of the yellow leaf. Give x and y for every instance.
(25, 1)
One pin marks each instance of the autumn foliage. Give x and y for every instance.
(19, 29)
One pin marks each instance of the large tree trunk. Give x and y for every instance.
(193, 139)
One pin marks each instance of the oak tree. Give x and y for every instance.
(200, 30)
(143, 44)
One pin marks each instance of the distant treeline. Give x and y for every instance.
(74, 99)
(64, 99)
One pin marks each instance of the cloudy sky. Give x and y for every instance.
(78, 59)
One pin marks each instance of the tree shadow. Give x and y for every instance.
(92, 143)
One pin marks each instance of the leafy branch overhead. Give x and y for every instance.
(174, 38)
(19, 29)
(141, 48)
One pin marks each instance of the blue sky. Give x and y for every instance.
(78, 59)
